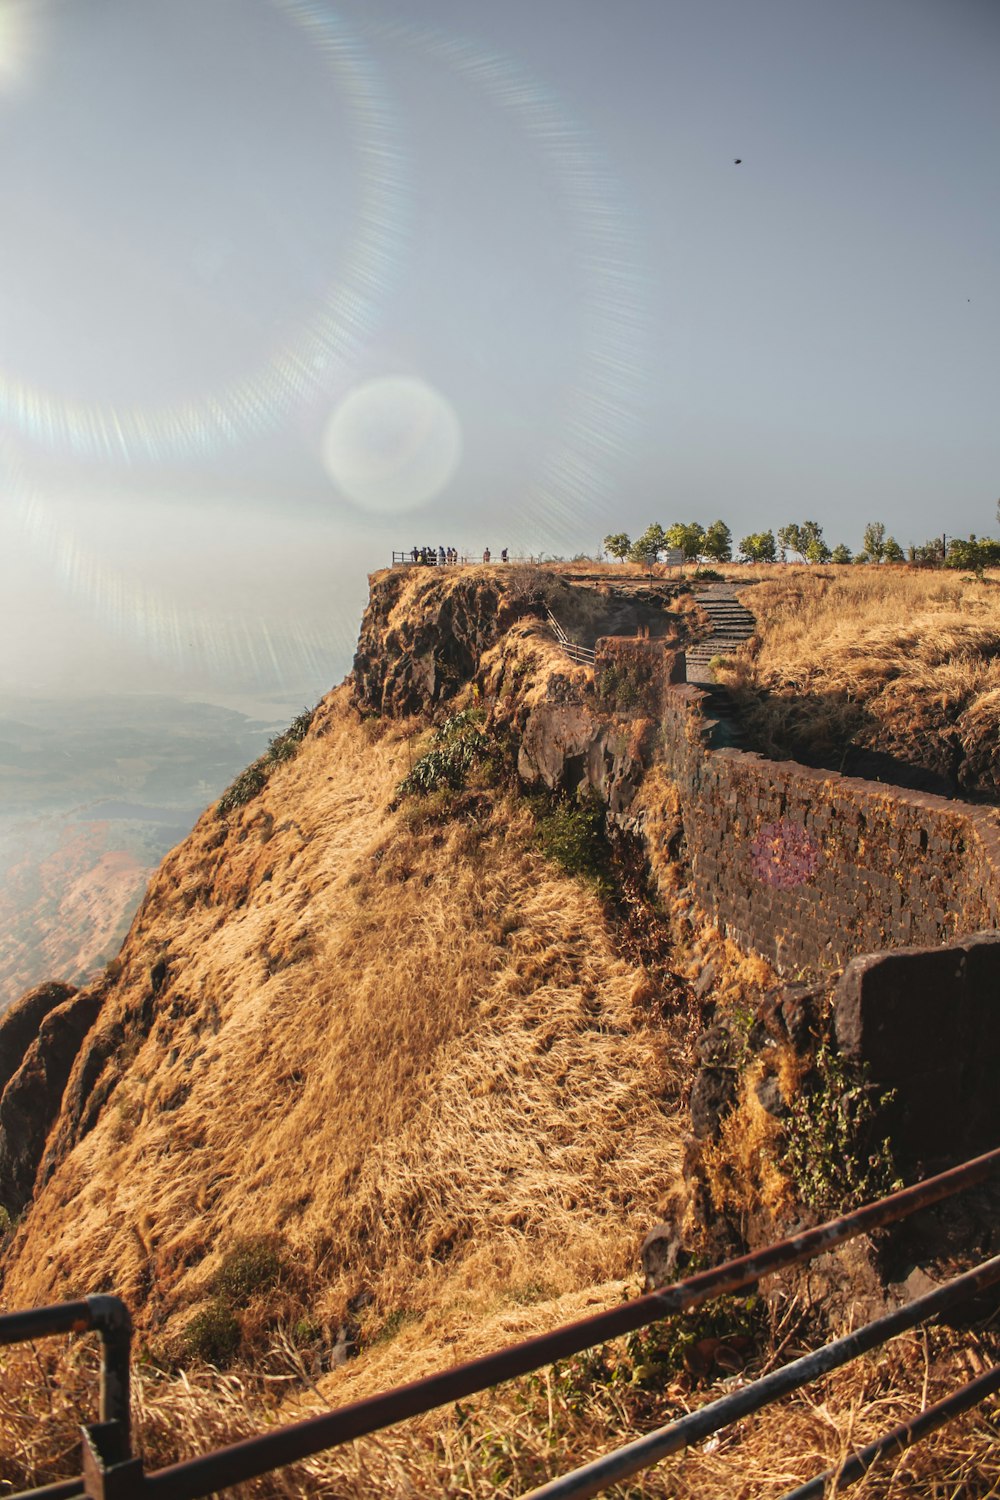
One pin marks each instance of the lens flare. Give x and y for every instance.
(392, 444)
(18, 39)
(261, 648)
(317, 356)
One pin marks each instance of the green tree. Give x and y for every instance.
(618, 544)
(977, 553)
(840, 554)
(790, 539)
(875, 540)
(646, 549)
(758, 547)
(816, 550)
(688, 537)
(717, 543)
(929, 554)
(892, 551)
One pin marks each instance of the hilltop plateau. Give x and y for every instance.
(414, 1039)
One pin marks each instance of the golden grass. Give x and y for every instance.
(503, 1442)
(404, 1045)
(896, 660)
(407, 1048)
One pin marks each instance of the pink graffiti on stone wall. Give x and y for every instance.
(784, 854)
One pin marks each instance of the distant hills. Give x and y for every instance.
(93, 793)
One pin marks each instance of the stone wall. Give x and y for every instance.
(926, 1024)
(809, 868)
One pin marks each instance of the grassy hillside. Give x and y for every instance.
(380, 1086)
(885, 672)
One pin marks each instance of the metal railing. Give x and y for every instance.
(432, 559)
(582, 654)
(110, 1473)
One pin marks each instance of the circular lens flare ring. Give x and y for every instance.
(308, 363)
(598, 418)
(392, 444)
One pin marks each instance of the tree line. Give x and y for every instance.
(802, 540)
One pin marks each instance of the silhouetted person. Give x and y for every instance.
(503, 555)
(486, 554)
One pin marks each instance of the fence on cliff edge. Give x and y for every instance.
(111, 1471)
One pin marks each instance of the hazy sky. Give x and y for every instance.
(285, 285)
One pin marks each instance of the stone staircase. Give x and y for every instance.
(732, 623)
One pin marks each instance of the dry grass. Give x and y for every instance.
(897, 661)
(502, 1443)
(404, 1045)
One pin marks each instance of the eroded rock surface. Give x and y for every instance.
(33, 1095)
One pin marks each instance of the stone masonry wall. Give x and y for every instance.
(809, 868)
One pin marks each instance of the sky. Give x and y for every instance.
(285, 286)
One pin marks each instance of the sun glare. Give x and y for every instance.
(18, 31)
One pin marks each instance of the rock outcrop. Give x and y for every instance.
(422, 636)
(33, 1093)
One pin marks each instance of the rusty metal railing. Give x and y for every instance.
(107, 1442)
(111, 1474)
(894, 1443)
(649, 1449)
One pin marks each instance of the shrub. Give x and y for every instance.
(251, 1266)
(254, 779)
(213, 1335)
(459, 743)
(831, 1148)
(572, 834)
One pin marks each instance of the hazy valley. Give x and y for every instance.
(93, 793)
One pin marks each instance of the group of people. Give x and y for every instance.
(429, 556)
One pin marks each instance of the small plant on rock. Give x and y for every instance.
(459, 744)
(832, 1149)
(254, 779)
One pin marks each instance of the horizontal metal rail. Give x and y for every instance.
(66, 1489)
(641, 1454)
(892, 1444)
(286, 1445)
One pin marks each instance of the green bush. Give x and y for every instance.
(251, 1266)
(254, 779)
(572, 833)
(213, 1335)
(458, 745)
(832, 1149)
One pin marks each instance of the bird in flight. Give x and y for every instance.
(737, 161)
